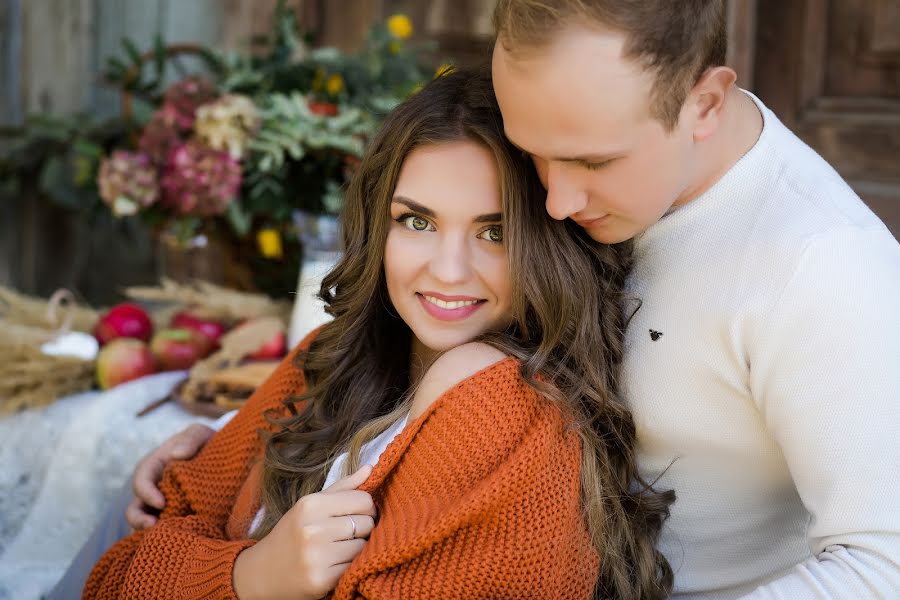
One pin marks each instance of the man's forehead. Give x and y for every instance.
(572, 97)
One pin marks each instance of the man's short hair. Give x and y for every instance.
(677, 39)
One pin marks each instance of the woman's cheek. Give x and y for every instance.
(494, 268)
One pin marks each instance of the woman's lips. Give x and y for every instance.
(448, 308)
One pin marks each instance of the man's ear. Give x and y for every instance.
(707, 99)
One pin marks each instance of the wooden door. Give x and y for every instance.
(830, 69)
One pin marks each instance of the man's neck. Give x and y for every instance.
(741, 126)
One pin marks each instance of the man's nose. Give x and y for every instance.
(564, 196)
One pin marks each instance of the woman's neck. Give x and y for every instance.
(420, 358)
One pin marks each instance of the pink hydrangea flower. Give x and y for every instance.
(128, 182)
(184, 97)
(160, 135)
(199, 180)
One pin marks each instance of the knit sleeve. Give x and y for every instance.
(479, 497)
(188, 553)
(826, 376)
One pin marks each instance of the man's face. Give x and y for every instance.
(582, 112)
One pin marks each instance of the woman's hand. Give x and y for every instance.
(311, 546)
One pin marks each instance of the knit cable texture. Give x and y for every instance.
(478, 498)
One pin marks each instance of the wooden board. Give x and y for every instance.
(830, 69)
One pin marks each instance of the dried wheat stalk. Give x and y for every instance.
(211, 301)
(50, 314)
(28, 377)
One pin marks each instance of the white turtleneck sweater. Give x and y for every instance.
(763, 368)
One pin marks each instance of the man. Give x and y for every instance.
(763, 365)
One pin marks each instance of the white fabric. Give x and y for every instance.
(61, 465)
(369, 455)
(772, 390)
(309, 311)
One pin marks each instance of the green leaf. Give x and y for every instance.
(132, 51)
(53, 176)
(160, 58)
(88, 148)
(238, 218)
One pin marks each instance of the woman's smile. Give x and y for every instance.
(449, 308)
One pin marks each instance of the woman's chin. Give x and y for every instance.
(439, 342)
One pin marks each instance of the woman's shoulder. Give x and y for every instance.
(452, 368)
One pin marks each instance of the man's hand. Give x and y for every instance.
(148, 499)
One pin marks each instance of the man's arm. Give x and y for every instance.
(826, 376)
(144, 507)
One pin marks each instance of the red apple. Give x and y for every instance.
(274, 348)
(212, 329)
(122, 360)
(176, 349)
(124, 321)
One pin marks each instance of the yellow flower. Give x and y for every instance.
(83, 170)
(400, 26)
(443, 70)
(334, 85)
(318, 80)
(269, 243)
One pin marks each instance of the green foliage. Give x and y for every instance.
(318, 108)
(59, 156)
(290, 129)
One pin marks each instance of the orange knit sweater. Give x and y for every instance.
(479, 497)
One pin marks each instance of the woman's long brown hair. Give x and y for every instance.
(568, 327)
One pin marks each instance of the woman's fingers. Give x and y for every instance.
(347, 527)
(339, 529)
(334, 573)
(350, 482)
(316, 507)
(345, 551)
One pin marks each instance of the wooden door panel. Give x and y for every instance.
(863, 51)
(830, 69)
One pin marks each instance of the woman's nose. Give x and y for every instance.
(451, 261)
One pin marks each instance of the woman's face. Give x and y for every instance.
(445, 261)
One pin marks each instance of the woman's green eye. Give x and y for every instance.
(493, 233)
(416, 223)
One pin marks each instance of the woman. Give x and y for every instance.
(475, 342)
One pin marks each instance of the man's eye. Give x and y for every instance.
(591, 166)
(494, 233)
(415, 223)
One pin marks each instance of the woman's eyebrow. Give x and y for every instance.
(490, 218)
(415, 206)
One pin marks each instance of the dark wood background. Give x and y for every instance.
(830, 69)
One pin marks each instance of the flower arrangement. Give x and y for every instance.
(262, 136)
(238, 148)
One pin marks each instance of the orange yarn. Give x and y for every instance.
(478, 498)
